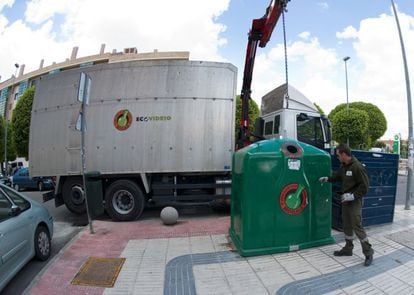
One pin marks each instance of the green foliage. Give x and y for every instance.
(254, 113)
(11, 152)
(11, 148)
(338, 108)
(379, 144)
(350, 124)
(320, 111)
(21, 122)
(1, 139)
(377, 124)
(404, 150)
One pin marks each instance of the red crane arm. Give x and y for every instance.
(259, 34)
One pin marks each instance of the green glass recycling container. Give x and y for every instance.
(277, 201)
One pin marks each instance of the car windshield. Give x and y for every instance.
(309, 130)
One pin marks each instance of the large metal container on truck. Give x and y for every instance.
(158, 131)
(278, 204)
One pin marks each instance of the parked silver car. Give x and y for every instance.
(26, 230)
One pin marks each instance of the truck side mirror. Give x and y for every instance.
(258, 128)
(328, 129)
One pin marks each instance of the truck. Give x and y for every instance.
(176, 143)
(158, 131)
(288, 114)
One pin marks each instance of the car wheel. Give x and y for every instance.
(40, 186)
(124, 200)
(16, 187)
(42, 243)
(73, 195)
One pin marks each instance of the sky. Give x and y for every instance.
(320, 33)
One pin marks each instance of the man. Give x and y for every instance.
(354, 186)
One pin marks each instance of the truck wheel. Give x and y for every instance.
(73, 195)
(220, 206)
(124, 200)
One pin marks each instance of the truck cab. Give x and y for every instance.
(288, 114)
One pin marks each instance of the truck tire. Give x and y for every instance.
(73, 195)
(124, 200)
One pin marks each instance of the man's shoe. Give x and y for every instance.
(368, 259)
(343, 252)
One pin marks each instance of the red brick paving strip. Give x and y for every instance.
(109, 240)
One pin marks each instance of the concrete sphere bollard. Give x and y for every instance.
(169, 215)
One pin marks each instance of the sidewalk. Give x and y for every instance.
(194, 257)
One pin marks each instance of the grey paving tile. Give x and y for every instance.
(204, 265)
(363, 288)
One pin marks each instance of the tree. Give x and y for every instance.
(11, 148)
(350, 125)
(11, 152)
(404, 149)
(380, 144)
(320, 111)
(377, 124)
(254, 113)
(21, 122)
(1, 139)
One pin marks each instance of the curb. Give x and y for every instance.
(51, 261)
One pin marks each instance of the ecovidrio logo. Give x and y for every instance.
(122, 120)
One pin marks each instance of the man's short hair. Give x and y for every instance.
(344, 149)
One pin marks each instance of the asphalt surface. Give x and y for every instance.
(65, 229)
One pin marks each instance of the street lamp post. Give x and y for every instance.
(345, 59)
(410, 179)
(16, 65)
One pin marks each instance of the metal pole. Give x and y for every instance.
(83, 125)
(346, 58)
(410, 179)
(5, 122)
(5, 144)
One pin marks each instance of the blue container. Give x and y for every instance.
(378, 203)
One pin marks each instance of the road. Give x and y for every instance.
(67, 225)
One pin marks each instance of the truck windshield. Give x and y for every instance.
(310, 131)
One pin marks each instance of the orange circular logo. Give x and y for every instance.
(122, 120)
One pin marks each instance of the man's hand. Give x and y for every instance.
(347, 197)
(323, 179)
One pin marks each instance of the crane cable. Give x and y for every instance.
(286, 58)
